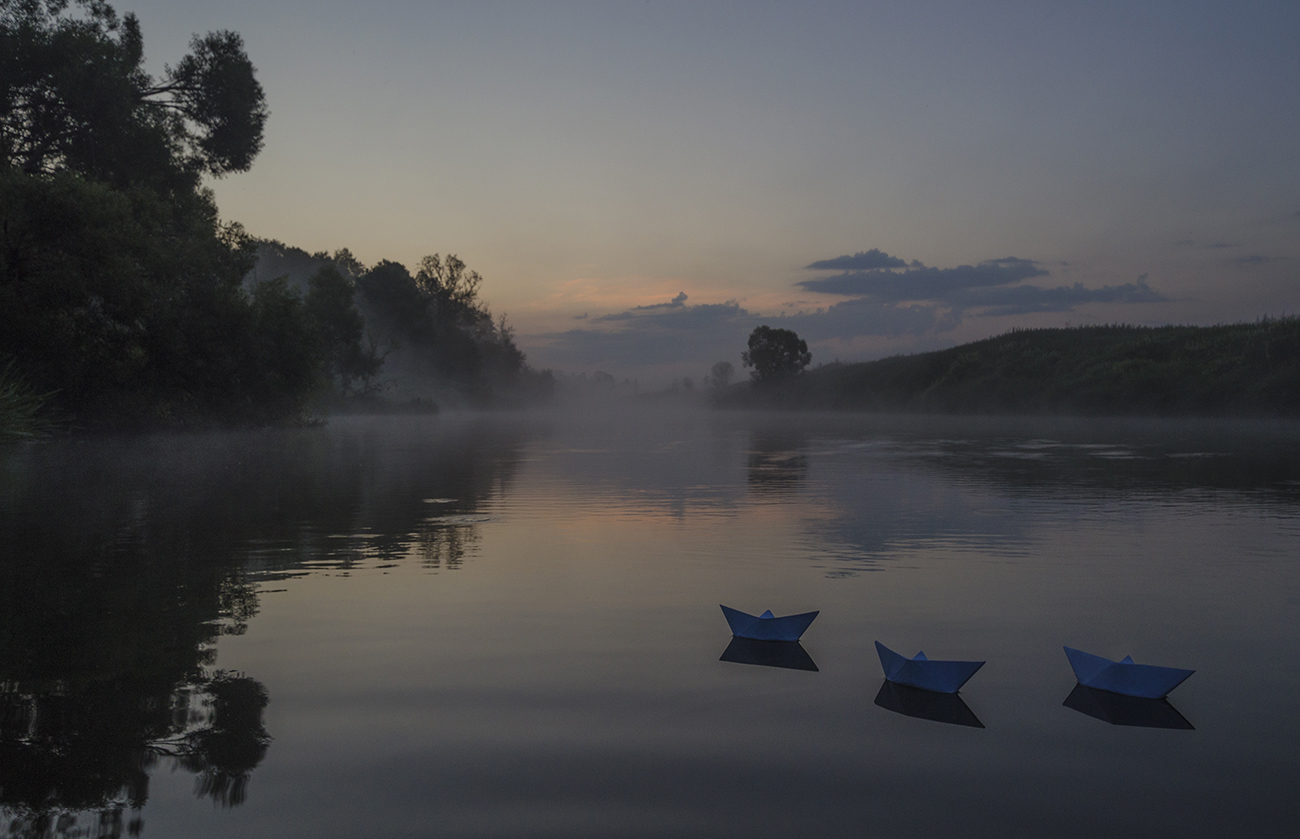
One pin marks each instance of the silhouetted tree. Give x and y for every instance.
(75, 97)
(120, 288)
(720, 375)
(438, 320)
(775, 354)
(339, 329)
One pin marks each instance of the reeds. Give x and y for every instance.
(24, 413)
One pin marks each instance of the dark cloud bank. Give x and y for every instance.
(888, 297)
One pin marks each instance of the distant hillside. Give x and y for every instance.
(1239, 369)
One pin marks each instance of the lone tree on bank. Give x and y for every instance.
(775, 354)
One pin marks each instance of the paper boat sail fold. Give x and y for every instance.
(767, 627)
(921, 672)
(1145, 681)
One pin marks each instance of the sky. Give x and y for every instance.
(642, 183)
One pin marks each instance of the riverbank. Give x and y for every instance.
(1247, 369)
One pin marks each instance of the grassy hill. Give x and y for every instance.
(1239, 369)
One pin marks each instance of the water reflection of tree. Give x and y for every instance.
(230, 741)
(105, 670)
(777, 462)
(108, 631)
(445, 546)
(128, 558)
(66, 749)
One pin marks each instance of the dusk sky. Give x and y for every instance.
(642, 183)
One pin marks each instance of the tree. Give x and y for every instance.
(339, 330)
(120, 287)
(720, 375)
(775, 354)
(452, 290)
(438, 323)
(74, 96)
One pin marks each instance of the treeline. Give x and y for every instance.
(123, 295)
(1248, 369)
(408, 339)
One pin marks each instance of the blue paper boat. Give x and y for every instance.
(921, 672)
(767, 627)
(1124, 677)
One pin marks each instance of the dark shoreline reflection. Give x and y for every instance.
(1118, 709)
(789, 655)
(926, 705)
(126, 559)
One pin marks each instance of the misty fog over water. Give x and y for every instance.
(508, 625)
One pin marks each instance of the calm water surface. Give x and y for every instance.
(509, 626)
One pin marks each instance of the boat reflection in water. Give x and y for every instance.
(788, 654)
(926, 704)
(1118, 709)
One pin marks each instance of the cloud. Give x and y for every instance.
(664, 335)
(994, 287)
(865, 317)
(1255, 259)
(926, 283)
(1027, 299)
(860, 261)
(676, 302)
(615, 316)
(1209, 246)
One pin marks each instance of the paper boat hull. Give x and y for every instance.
(789, 655)
(1144, 681)
(1117, 709)
(926, 704)
(788, 628)
(920, 672)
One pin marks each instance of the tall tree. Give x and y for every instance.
(775, 354)
(74, 96)
(120, 288)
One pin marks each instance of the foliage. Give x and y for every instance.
(437, 316)
(339, 329)
(1237, 369)
(121, 291)
(74, 96)
(775, 354)
(130, 305)
(23, 411)
(720, 375)
(424, 337)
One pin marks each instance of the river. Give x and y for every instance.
(508, 625)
